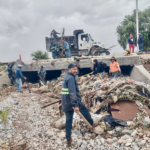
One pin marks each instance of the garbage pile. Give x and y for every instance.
(119, 106)
(146, 64)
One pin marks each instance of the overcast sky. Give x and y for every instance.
(24, 24)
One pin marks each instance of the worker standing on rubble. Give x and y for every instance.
(99, 67)
(67, 49)
(131, 43)
(18, 77)
(10, 74)
(54, 50)
(42, 74)
(71, 98)
(140, 42)
(114, 68)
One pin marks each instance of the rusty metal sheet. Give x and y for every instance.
(128, 110)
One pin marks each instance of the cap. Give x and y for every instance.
(19, 65)
(42, 67)
(71, 65)
(113, 58)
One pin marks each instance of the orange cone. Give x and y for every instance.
(20, 57)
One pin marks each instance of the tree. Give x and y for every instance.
(128, 26)
(39, 55)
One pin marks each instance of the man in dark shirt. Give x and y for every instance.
(71, 98)
(99, 67)
(10, 74)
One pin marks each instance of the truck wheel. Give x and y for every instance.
(95, 52)
(107, 53)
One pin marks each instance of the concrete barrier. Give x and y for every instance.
(4, 79)
(139, 73)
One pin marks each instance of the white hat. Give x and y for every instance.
(19, 65)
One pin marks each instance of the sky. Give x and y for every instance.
(24, 24)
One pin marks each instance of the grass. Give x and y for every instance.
(2, 68)
(4, 115)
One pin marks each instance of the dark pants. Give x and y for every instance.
(69, 119)
(115, 74)
(141, 47)
(12, 79)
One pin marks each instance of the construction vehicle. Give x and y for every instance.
(80, 44)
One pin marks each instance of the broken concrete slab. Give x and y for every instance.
(139, 73)
(62, 64)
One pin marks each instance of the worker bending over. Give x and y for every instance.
(18, 77)
(99, 67)
(67, 49)
(71, 98)
(54, 48)
(114, 68)
(11, 74)
(42, 74)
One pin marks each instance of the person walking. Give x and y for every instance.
(71, 100)
(140, 42)
(18, 77)
(131, 43)
(114, 68)
(67, 49)
(99, 67)
(11, 74)
(42, 74)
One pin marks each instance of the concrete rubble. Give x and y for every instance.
(31, 126)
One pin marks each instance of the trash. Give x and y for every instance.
(115, 122)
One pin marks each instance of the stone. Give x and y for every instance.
(84, 142)
(136, 148)
(126, 131)
(62, 134)
(79, 142)
(129, 140)
(128, 144)
(102, 140)
(109, 141)
(91, 142)
(98, 130)
(140, 135)
(142, 143)
(58, 141)
(115, 139)
(120, 141)
(118, 129)
(50, 133)
(98, 141)
(134, 133)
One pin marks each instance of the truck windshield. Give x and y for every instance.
(91, 37)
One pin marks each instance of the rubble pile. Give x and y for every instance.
(146, 64)
(32, 126)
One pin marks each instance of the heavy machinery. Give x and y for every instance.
(80, 44)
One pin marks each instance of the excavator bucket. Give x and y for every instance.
(128, 52)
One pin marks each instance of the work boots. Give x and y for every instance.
(69, 143)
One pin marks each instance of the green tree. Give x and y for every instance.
(39, 55)
(128, 26)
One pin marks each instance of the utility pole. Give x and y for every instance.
(137, 24)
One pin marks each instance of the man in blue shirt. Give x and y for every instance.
(67, 49)
(18, 77)
(42, 74)
(10, 74)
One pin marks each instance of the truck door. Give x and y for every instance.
(83, 41)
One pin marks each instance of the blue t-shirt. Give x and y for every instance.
(42, 72)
